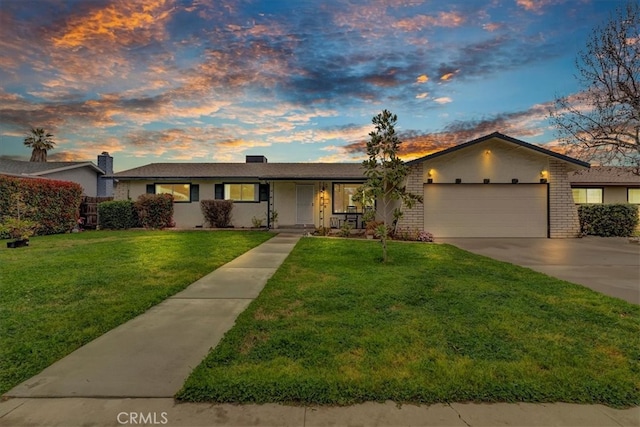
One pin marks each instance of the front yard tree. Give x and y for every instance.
(386, 175)
(40, 141)
(602, 123)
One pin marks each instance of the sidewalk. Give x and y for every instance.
(77, 412)
(129, 375)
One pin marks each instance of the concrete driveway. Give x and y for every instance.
(609, 265)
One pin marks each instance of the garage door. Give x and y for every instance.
(486, 210)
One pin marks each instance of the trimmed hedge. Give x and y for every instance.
(116, 215)
(217, 212)
(54, 205)
(155, 210)
(615, 220)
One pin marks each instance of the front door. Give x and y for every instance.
(304, 204)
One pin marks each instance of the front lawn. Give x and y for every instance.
(437, 324)
(66, 290)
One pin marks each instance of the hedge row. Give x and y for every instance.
(153, 211)
(53, 205)
(608, 220)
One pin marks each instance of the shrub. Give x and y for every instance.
(608, 220)
(116, 215)
(155, 211)
(217, 212)
(53, 205)
(413, 235)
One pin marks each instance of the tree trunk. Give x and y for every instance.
(38, 155)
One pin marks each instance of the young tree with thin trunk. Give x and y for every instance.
(40, 141)
(386, 175)
(602, 123)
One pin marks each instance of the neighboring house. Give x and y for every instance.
(494, 186)
(87, 174)
(605, 184)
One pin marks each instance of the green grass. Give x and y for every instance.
(65, 290)
(437, 324)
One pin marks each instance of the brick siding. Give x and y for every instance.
(563, 213)
(413, 218)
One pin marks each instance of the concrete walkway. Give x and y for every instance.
(152, 355)
(129, 375)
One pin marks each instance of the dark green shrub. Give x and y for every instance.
(116, 215)
(53, 205)
(155, 211)
(217, 212)
(608, 220)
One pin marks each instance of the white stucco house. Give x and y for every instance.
(494, 186)
(89, 175)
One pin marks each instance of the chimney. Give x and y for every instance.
(105, 185)
(256, 159)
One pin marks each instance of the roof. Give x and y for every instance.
(261, 171)
(605, 175)
(20, 167)
(504, 138)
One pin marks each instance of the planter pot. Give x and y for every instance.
(18, 243)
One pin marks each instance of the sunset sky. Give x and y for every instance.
(295, 80)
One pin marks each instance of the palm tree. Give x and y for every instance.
(40, 141)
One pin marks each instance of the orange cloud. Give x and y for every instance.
(447, 76)
(422, 79)
(122, 23)
(419, 22)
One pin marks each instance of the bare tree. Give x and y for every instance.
(40, 142)
(602, 123)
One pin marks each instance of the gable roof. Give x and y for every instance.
(506, 138)
(21, 167)
(260, 171)
(605, 175)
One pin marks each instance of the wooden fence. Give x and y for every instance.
(89, 210)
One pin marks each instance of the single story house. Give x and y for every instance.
(493, 186)
(605, 184)
(87, 174)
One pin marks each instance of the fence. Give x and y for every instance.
(89, 210)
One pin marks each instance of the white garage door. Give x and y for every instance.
(486, 210)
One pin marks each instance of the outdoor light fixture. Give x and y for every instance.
(543, 180)
(429, 180)
(487, 152)
(458, 180)
(430, 173)
(543, 173)
(486, 180)
(514, 180)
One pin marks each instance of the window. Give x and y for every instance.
(633, 195)
(587, 195)
(343, 197)
(180, 192)
(241, 192)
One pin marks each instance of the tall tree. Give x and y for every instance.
(386, 175)
(40, 142)
(602, 123)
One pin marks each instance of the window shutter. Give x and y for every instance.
(219, 192)
(195, 192)
(151, 189)
(264, 192)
